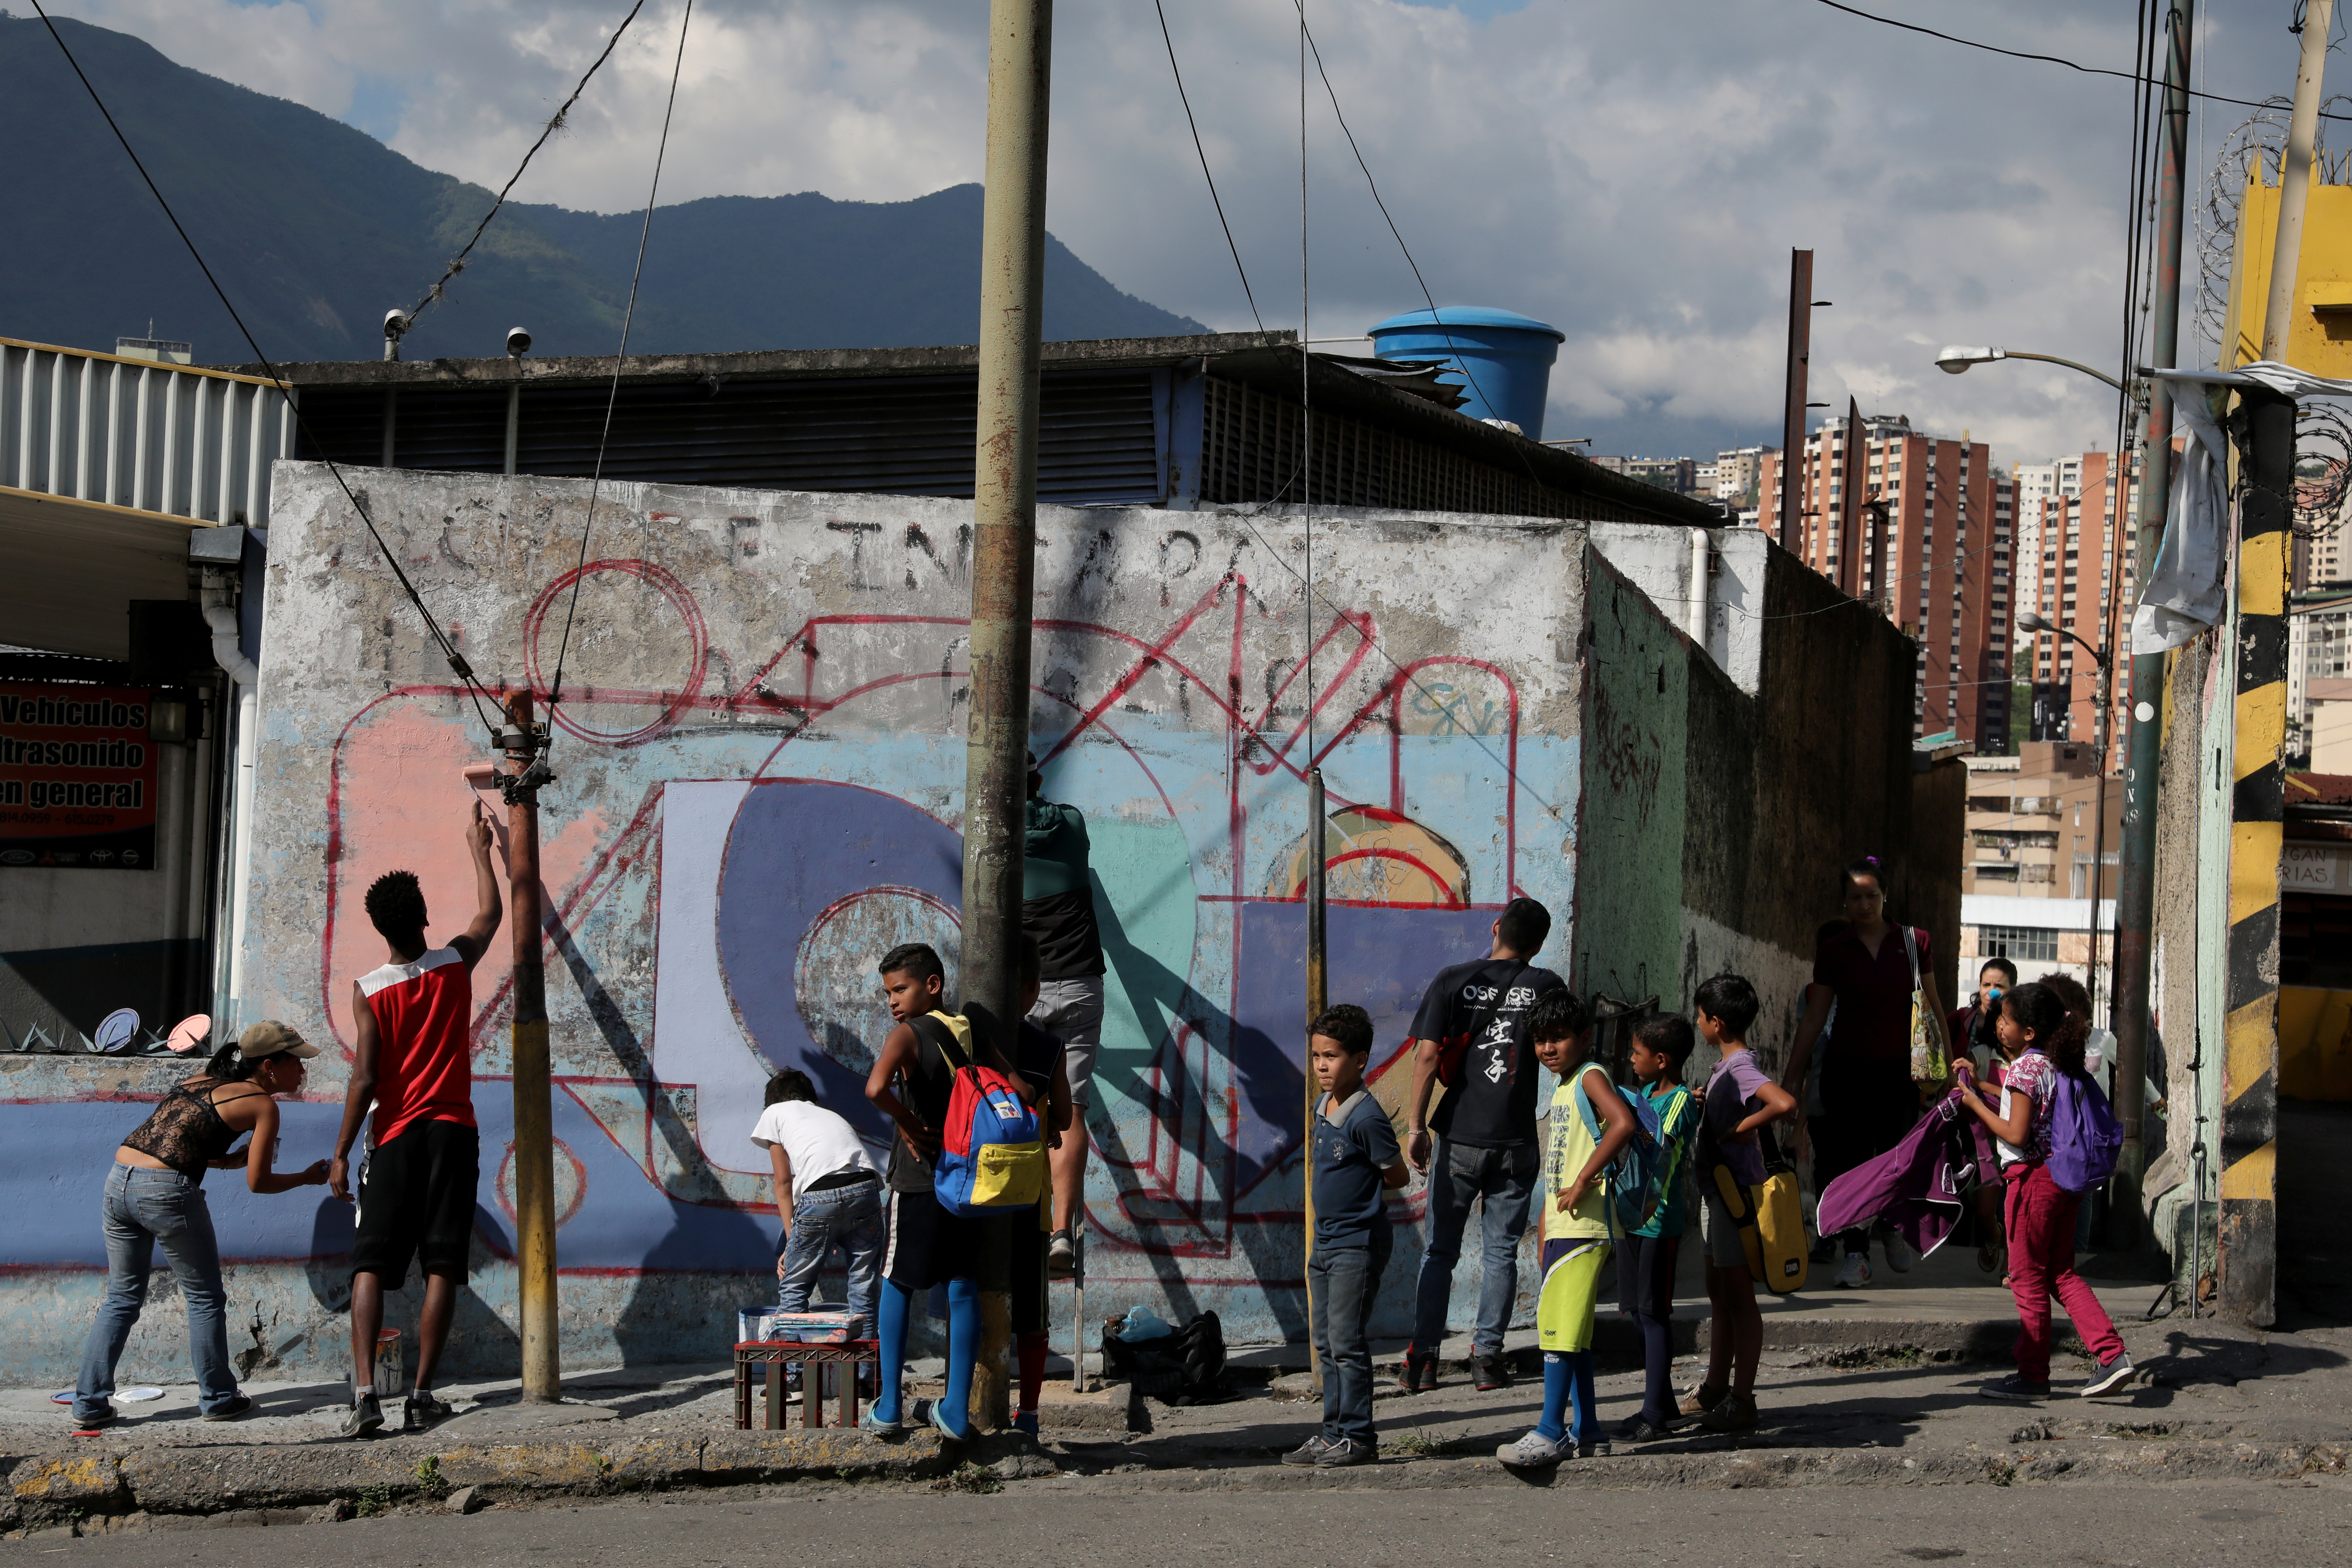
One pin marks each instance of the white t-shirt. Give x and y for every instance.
(816, 1141)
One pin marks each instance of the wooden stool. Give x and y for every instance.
(765, 1359)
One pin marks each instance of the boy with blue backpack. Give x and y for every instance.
(1646, 1258)
(1591, 1126)
(939, 1079)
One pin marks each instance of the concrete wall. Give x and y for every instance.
(760, 764)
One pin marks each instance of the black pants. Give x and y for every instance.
(1867, 1107)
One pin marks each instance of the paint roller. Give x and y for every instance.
(482, 778)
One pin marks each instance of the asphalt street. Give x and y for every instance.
(1023, 1526)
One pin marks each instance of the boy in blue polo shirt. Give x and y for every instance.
(1357, 1162)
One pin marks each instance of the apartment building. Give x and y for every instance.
(1736, 474)
(1934, 517)
(2027, 875)
(2070, 550)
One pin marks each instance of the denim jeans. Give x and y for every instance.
(144, 1209)
(1341, 1283)
(846, 1217)
(1502, 1180)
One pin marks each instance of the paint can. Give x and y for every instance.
(754, 1325)
(391, 1378)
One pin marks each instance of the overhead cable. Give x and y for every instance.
(1182, 97)
(613, 396)
(463, 671)
(2140, 76)
(555, 123)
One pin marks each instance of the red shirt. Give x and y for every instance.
(423, 1021)
(1874, 995)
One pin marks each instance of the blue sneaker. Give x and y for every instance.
(940, 1420)
(1026, 1422)
(874, 1424)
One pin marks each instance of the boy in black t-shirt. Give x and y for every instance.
(1472, 1032)
(1356, 1164)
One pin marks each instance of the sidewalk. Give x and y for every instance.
(1875, 1387)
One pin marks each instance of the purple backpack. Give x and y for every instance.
(2085, 1137)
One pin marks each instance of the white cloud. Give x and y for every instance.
(1633, 171)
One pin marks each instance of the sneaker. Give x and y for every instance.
(422, 1409)
(1856, 1272)
(1703, 1399)
(1733, 1412)
(1824, 1249)
(1309, 1452)
(1061, 1255)
(940, 1420)
(1418, 1371)
(105, 1418)
(1488, 1372)
(2111, 1376)
(1598, 1449)
(2015, 1390)
(1900, 1254)
(1534, 1451)
(873, 1426)
(1026, 1421)
(1640, 1429)
(1347, 1451)
(365, 1415)
(235, 1405)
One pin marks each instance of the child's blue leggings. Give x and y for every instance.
(963, 1349)
(1566, 1373)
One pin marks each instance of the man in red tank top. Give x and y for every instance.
(413, 1020)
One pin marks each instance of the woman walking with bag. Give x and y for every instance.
(155, 1197)
(1880, 978)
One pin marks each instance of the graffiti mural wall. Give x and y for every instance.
(760, 752)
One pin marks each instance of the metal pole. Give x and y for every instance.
(1317, 998)
(2249, 1233)
(1792, 415)
(2128, 1012)
(534, 1132)
(1004, 551)
(1850, 475)
(2294, 178)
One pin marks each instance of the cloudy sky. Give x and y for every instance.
(1633, 171)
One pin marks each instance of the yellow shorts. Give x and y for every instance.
(1571, 1288)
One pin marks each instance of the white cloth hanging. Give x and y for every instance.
(2187, 582)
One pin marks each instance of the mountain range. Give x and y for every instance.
(315, 229)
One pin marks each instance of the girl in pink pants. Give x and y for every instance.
(2042, 1039)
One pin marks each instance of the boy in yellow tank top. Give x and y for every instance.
(1573, 1200)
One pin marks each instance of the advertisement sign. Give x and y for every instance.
(76, 777)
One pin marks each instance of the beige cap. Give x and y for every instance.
(270, 1038)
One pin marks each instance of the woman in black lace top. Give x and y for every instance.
(155, 1197)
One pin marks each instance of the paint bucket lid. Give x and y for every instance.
(189, 1033)
(138, 1396)
(387, 1336)
(115, 1030)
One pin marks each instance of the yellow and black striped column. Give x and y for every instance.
(2249, 1235)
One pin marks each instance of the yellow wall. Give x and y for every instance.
(2320, 343)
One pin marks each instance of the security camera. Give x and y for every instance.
(518, 342)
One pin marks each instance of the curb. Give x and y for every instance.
(46, 1490)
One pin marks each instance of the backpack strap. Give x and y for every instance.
(952, 1030)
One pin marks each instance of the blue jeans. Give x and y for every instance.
(1341, 1282)
(145, 1209)
(847, 1217)
(1502, 1180)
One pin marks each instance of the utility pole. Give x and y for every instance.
(1005, 556)
(534, 1132)
(1793, 416)
(1317, 998)
(2128, 1008)
(1850, 474)
(2249, 1233)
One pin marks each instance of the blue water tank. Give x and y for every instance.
(1500, 359)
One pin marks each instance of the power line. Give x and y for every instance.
(555, 123)
(1182, 97)
(613, 396)
(463, 671)
(2140, 77)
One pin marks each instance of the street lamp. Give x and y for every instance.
(2031, 621)
(1955, 358)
